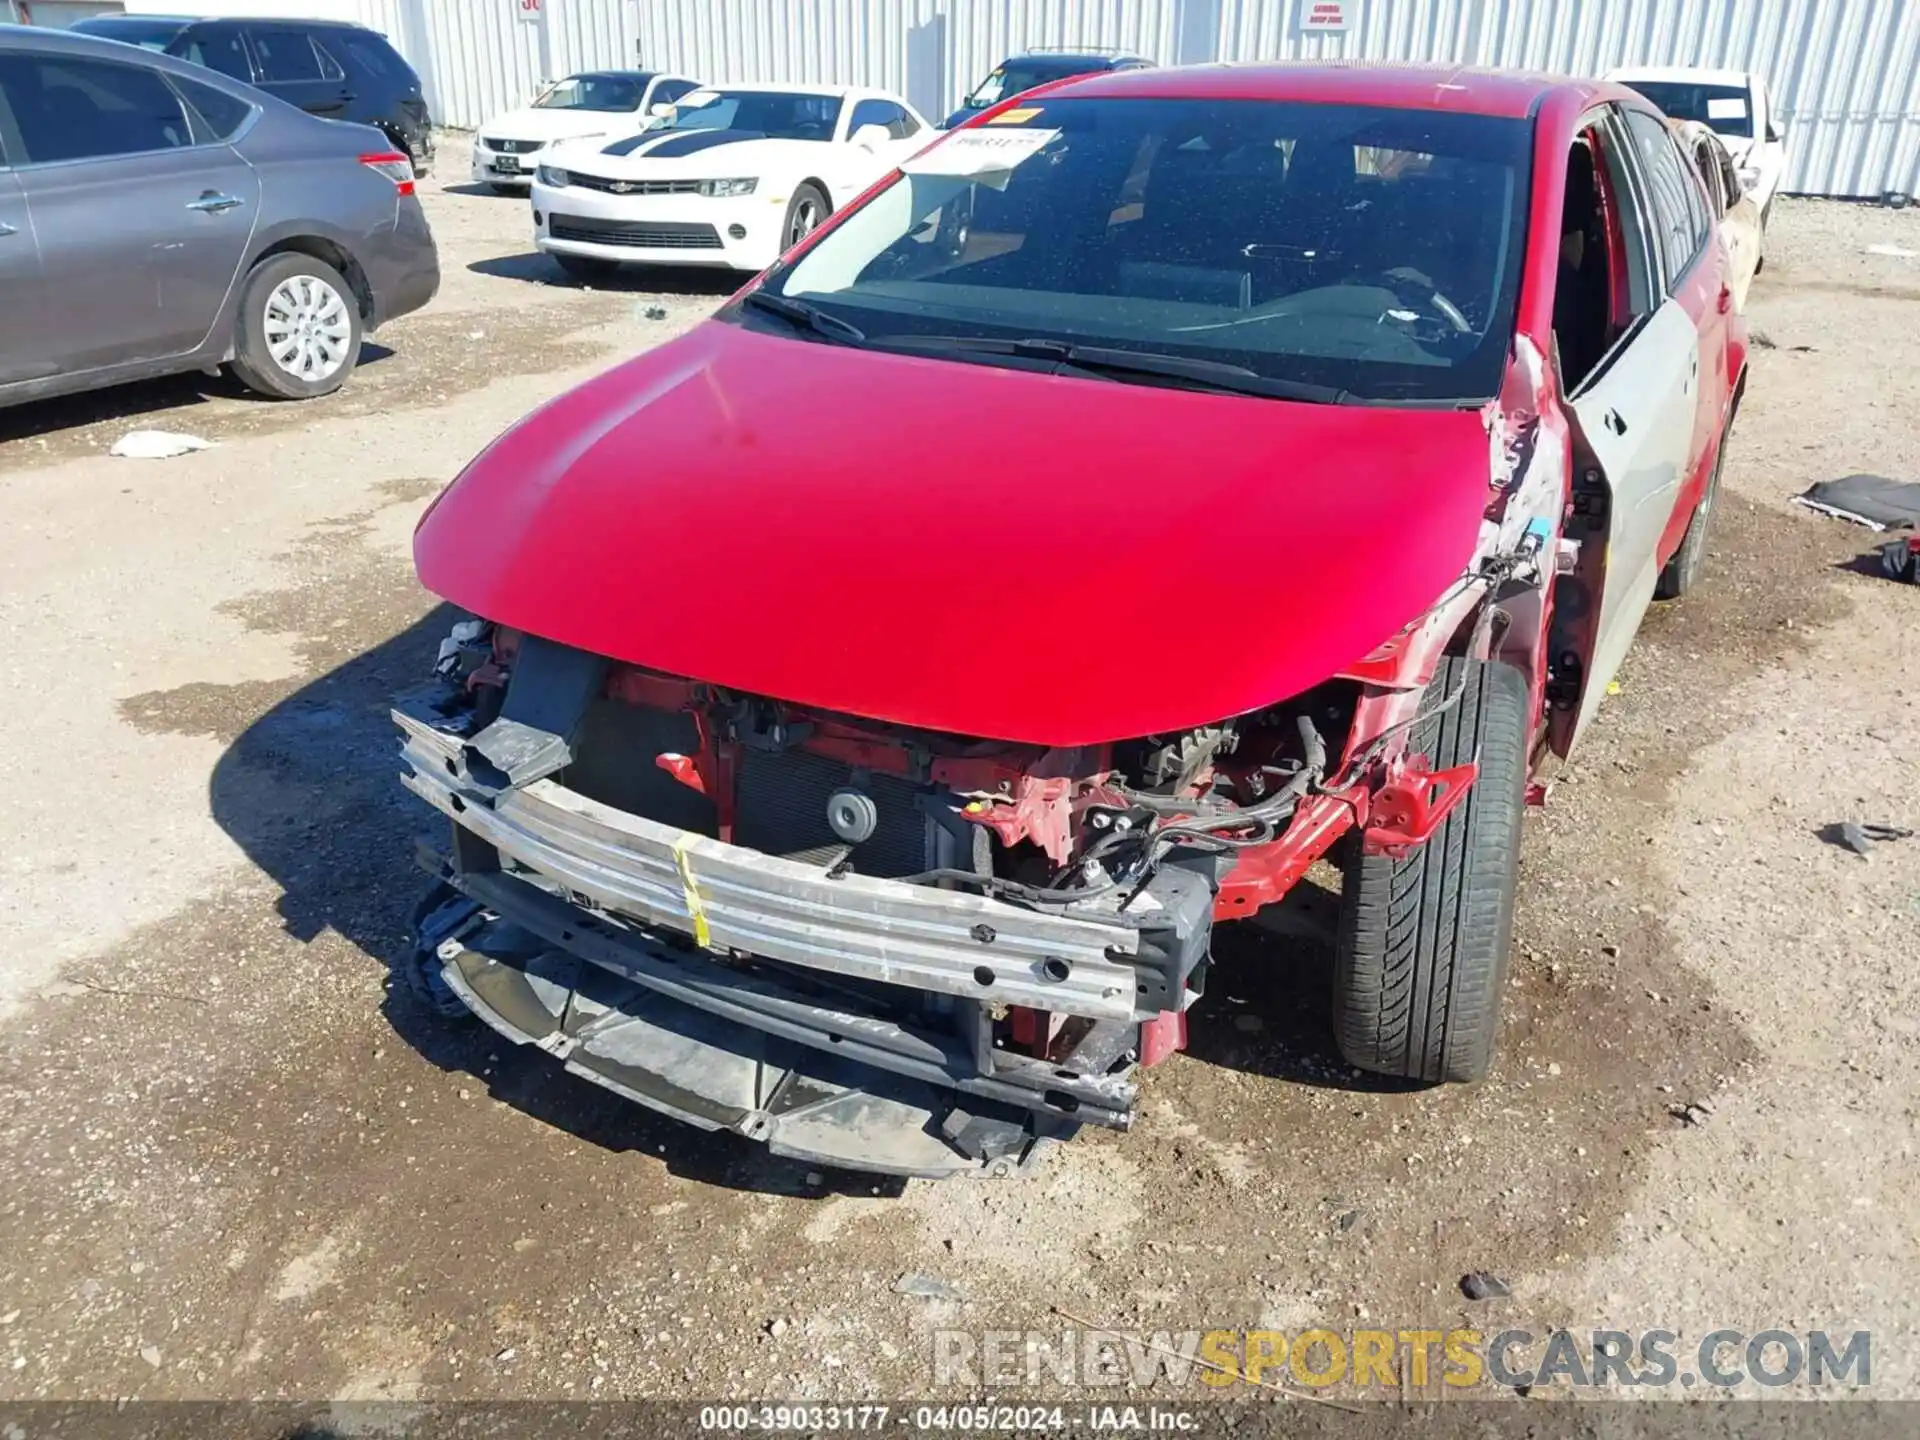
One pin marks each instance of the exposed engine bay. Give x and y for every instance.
(1082, 883)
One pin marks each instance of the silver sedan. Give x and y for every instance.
(156, 216)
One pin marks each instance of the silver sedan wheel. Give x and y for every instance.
(307, 328)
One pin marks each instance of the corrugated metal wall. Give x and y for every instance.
(1846, 73)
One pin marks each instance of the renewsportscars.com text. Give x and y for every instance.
(1458, 1360)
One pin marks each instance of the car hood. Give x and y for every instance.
(961, 547)
(692, 153)
(551, 125)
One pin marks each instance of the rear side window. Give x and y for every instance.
(218, 47)
(1678, 219)
(286, 56)
(66, 108)
(221, 113)
(364, 50)
(330, 68)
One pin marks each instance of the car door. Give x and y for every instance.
(291, 66)
(1635, 411)
(25, 344)
(1698, 279)
(141, 216)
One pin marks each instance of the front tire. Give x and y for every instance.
(1421, 961)
(298, 332)
(805, 211)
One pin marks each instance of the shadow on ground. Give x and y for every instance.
(310, 791)
(175, 393)
(537, 267)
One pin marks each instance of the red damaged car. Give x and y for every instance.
(876, 697)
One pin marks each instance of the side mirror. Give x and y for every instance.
(665, 110)
(872, 137)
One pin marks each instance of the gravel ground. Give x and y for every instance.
(239, 1166)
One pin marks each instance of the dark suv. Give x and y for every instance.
(327, 68)
(1019, 73)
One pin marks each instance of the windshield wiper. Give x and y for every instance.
(806, 317)
(1217, 375)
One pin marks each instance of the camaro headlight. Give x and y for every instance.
(723, 189)
(554, 176)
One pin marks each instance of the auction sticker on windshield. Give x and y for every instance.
(979, 152)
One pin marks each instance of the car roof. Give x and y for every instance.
(1072, 57)
(1510, 93)
(1686, 74)
(283, 20)
(786, 88)
(612, 74)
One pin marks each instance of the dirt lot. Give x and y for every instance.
(238, 1166)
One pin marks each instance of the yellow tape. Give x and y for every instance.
(701, 934)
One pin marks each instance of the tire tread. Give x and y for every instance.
(1424, 939)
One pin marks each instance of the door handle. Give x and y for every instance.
(212, 202)
(1726, 299)
(1614, 422)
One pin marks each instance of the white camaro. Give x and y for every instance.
(736, 177)
(593, 105)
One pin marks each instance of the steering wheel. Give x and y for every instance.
(1414, 290)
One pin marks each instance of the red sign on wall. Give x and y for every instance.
(526, 9)
(1324, 17)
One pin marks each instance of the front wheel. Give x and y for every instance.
(804, 213)
(1421, 959)
(298, 332)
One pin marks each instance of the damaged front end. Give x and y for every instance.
(864, 945)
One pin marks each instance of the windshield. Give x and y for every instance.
(775, 114)
(1021, 76)
(1721, 108)
(1371, 251)
(147, 34)
(595, 92)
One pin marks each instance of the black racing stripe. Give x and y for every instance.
(674, 147)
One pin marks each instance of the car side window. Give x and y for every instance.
(69, 108)
(218, 47)
(221, 114)
(285, 55)
(1676, 205)
(1632, 225)
(1706, 159)
(899, 124)
(668, 91)
(330, 68)
(369, 52)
